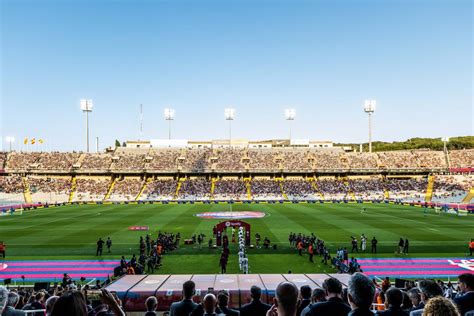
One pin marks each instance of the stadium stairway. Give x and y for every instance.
(178, 187)
(213, 187)
(280, 183)
(349, 190)
(469, 196)
(73, 188)
(26, 190)
(429, 189)
(249, 187)
(145, 183)
(315, 187)
(111, 188)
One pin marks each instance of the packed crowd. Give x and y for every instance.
(11, 184)
(201, 159)
(164, 159)
(161, 188)
(229, 159)
(265, 188)
(49, 184)
(362, 297)
(298, 188)
(127, 188)
(231, 188)
(196, 160)
(92, 188)
(197, 188)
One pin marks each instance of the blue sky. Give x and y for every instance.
(321, 57)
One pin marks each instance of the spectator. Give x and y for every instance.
(256, 307)
(50, 304)
(465, 301)
(428, 289)
(361, 291)
(415, 298)
(71, 303)
(209, 304)
(12, 301)
(151, 303)
(223, 299)
(319, 295)
(305, 293)
(186, 305)
(3, 298)
(285, 300)
(334, 306)
(393, 303)
(440, 306)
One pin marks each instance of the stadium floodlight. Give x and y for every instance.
(369, 108)
(290, 115)
(86, 107)
(445, 144)
(169, 116)
(229, 114)
(10, 140)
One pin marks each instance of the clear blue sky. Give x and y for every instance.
(321, 57)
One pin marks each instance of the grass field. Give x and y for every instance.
(70, 232)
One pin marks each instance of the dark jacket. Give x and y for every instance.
(254, 308)
(229, 311)
(465, 302)
(303, 303)
(333, 307)
(361, 312)
(183, 308)
(392, 311)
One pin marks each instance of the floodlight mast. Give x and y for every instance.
(369, 108)
(290, 115)
(10, 140)
(86, 107)
(169, 116)
(229, 114)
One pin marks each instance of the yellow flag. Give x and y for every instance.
(33, 141)
(25, 141)
(40, 140)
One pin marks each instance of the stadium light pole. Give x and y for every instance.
(369, 108)
(86, 107)
(10, 140)
(290, 115)
(169, 116)
(229, 114)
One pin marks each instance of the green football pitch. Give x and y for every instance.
(70, 232)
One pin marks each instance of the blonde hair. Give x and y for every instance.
(440, 306)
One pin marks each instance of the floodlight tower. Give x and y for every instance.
(86, 107)
(10, 140)
(290, 115)
(229, 114)
(169, 116)
(369, 108)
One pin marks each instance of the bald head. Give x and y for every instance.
(286, 299)
(209, 303)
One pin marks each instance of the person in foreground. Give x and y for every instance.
(361, 291)
(186, 306)
(334, 306)
(209, 304)
(285, 300)
(393, 303)
(256, 307)
(465, 301)
(440, 306)
(429, 289)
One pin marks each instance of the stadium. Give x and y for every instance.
(152, 161)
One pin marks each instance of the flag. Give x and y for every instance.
(25, 141)
(40, 140)
(33, 141)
